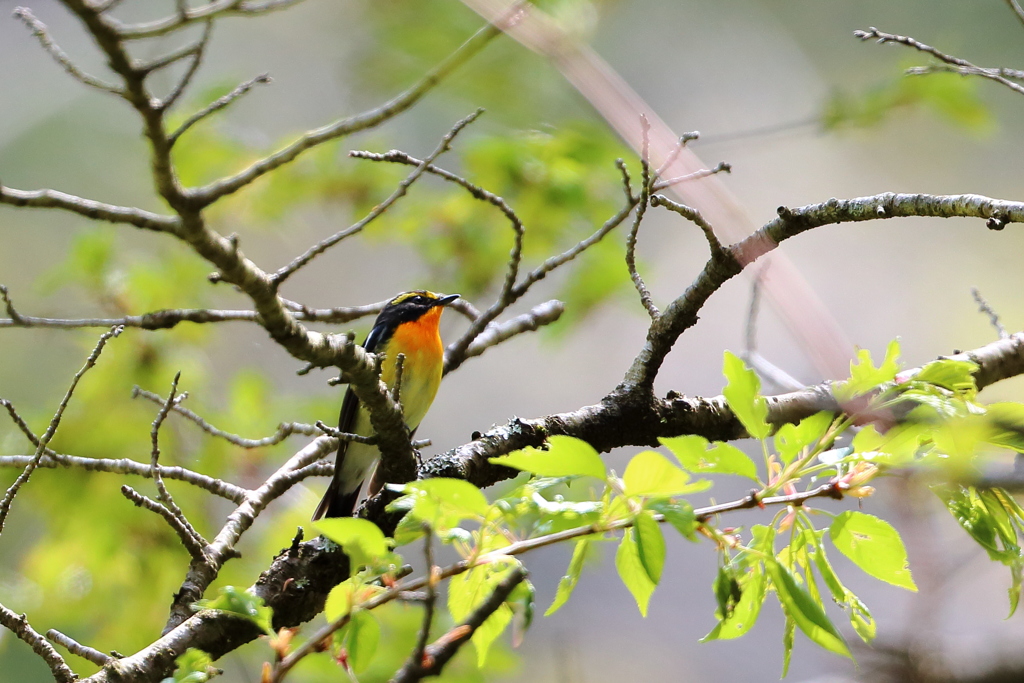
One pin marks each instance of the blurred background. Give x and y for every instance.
(781, 90)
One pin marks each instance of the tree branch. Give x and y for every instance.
(961, 66)
(44, 440)
(204, 196)
(52, 199)
(19, 626)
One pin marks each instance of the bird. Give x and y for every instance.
(408, 325)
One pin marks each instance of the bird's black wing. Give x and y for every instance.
(335, 503)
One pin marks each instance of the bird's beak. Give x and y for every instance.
(445, 300)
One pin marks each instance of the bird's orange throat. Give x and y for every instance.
(419, 337)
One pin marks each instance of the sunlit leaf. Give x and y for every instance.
(361, 539)
(790, 439)
(743, 393)
(572, 576)
(360, 638)
(631, 571)
(192, 666)
(807, 614)
(650, 545)
(678, 513)
(721, 458)
(650, 473)
(241, 603)
(873, 545)
(864, 376)
(565, 456)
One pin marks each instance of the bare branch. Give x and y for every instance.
(76, 648)
(962, 66)
(722, 167)
(218, 104)
(761, 365)
(190, 16)
(993, 317)
(415, 662)
(671, 157)
(1017, 9)
(205, 196)
(433, 658)
(222, 547)
(52, 199)
(190, 72)
(181, 524)
(455, 354)
(44, 440)
(284, 273)
(496, 333)
(127, 466)
(284, 430)
(641, 209)
(192, 541)
(19, 626)
(692, 215)
(38, 29)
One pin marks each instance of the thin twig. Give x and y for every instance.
(284, 273)
(416, 660)
(217, 105)
(38, 29)
(496, 333)
(444, 648)
(181, 524)
(515, 257)
(9, 305)
(284, 430)
(76, 648)
(1017, 9)
(53, 460)
(44, 440)
(722, 167)
(19, 626)
(674, 154)
(993, 317)
(694, 216)
(396, 390)
(205, 196)
(193, 67)
(202, 13)
(761, 365)
(192, 542)
(961, 65)
(631, 236)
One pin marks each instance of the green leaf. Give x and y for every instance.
(568, 582)
(693, 453)
(651, 474)
(793, 438)
(788, 636)
(361, 539)
(192, 666)
(631, 571)
(565, 456)
(340, 600)
(489, 631)
(864, 376)
(360, 637)
(873, 545)
(241, 603)
(743, 394)
(898, 445)
(743, 615)
(860, 616)
(442, 503)
(955, 375)
(521, 600)
(805, 612)
(650, 545)
(468, 590)
(678, 513)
